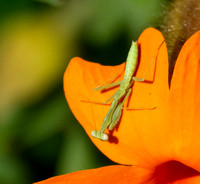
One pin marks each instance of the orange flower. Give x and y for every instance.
(161, 145)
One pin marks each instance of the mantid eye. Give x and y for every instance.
(100, 135)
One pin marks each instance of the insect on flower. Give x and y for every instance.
(113, 116)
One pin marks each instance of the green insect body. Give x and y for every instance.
(113, 116)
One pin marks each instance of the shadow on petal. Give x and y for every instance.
(172, 171)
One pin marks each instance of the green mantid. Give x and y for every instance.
(113, 116)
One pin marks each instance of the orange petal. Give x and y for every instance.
(192, 180)
(109, 174)
(171, 172)
(139, 138)
(185, 104)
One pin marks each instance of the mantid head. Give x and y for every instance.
(100, 135)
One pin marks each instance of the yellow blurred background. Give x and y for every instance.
(39, 136)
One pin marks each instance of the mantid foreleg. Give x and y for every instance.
(117, 83)
(103, 86)
(100, 87)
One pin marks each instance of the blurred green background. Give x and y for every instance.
(39, 136)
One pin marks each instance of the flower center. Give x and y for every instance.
(172, 171)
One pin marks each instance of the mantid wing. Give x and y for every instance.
(140, 135)
(116, 117)
(108, 118)
(118, 111)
